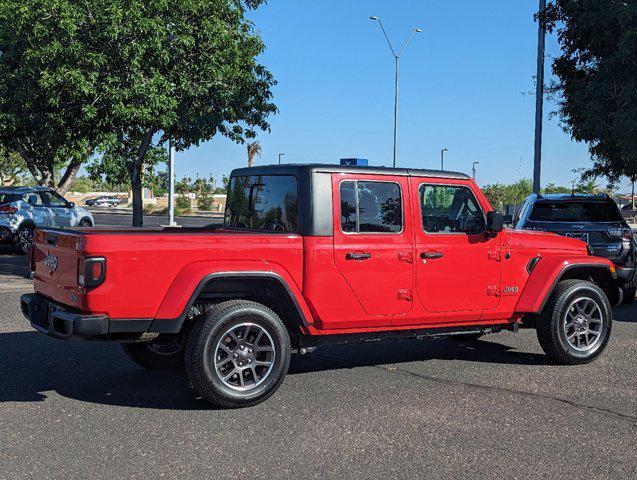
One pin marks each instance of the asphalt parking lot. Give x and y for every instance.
(433, 409)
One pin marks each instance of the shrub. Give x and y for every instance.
(204, 202)
(182, 204)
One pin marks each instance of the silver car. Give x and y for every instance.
(22, 209)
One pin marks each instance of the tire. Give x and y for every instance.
(629, 295)
(568, 304)
(23, 239)
(85, 222)
(243, 341)
(166, 352)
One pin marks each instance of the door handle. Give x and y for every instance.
(431, 255)
(358, 256)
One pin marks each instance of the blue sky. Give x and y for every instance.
(466, 83)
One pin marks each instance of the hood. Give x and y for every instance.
(545, 241)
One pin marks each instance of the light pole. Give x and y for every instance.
(280, 155)
(171, 184)
(396, 62)
(474, 170)
(442, 157)
(539, 102)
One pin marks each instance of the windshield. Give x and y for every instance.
(575, 212)
(263, 202)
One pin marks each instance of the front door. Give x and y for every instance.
(61, 211)
(373, 243)
(458, 262)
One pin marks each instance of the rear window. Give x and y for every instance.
(575, 212)
(264, 203)
(9, 198)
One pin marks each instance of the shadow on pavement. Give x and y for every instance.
(625, 313)
(11, 264)
(31, 365)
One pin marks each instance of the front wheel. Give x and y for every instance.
(85, 223)
(166, 352)
(238, 354)
(575, 325)
(24, 240)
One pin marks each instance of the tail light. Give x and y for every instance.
(7, 209)
(618, 232)
(91, 272)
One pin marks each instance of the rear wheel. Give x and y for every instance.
(575, 325)
(85, 222)
(24, 239)
(238, 354)
(166, 352)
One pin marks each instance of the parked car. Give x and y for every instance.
(103, 201)
(594, 219)
(22, 209)
(311, 255)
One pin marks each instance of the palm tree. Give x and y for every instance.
(254, 150)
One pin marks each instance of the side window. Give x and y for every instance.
(450, 209)
(371, 207)
(33, 199)
(54, 200)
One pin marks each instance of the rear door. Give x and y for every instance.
(457, 261)
(373, 244)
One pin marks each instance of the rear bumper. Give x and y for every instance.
(56, 320)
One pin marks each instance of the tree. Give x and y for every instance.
(597, 79)
(12, 167)
(48, 90)
(254, 150)
(130, 74)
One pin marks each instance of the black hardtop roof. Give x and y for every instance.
(564, 197)
(295, 168)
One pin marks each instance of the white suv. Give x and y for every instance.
(22, 209)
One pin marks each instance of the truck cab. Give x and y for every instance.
(310, 255)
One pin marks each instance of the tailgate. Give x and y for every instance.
(55, 255)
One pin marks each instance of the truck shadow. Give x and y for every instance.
(34, 367)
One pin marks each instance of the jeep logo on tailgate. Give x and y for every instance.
(51, 261)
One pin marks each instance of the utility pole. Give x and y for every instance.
(474, 170)
(171, 184)
(396, 63)
(280, 155)
(539, 101)
(442, 157)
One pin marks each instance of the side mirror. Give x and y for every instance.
(495, 222)
(71, 204)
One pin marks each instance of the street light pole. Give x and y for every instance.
(396, 64)
(442, 157)
(539, 102)
(280, 155)
(474, 170)
(171, 184)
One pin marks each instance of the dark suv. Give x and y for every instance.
(595, 219)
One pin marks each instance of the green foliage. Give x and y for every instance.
(12, 167)
(204, 201)
(182, 204)
(597, 80)
(127, 75)
(48, 90)
(514, 194)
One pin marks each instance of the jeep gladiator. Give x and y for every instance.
(310, 255)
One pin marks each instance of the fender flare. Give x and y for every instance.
(173, 325)
(536, 292)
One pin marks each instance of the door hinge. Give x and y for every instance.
(494, 290)
(404, 294)
(495, 255)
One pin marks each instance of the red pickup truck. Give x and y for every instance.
(310, 255)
